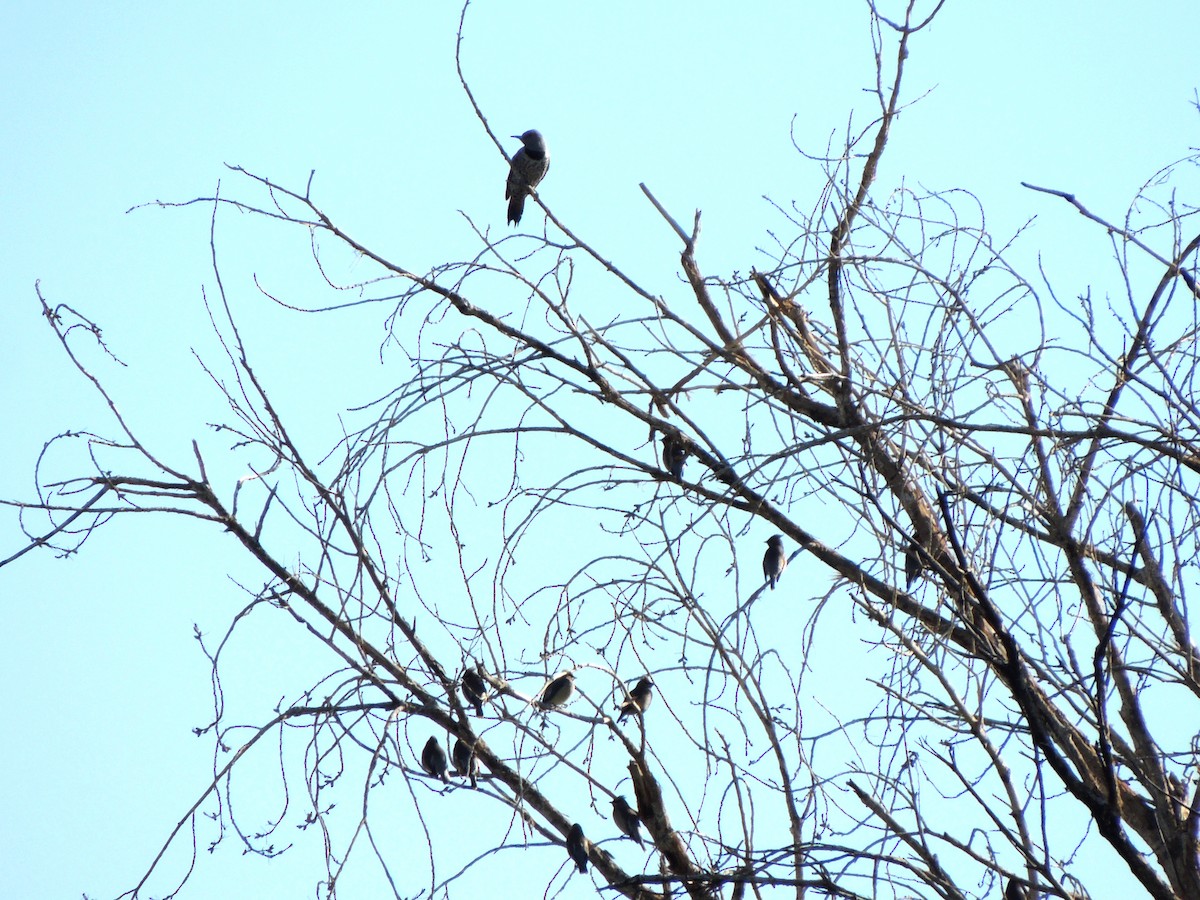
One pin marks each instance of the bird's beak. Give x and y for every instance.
(517, 136)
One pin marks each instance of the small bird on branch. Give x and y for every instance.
(913, 566)
(433, 760)
(674, 455)
(474, 689)
(558, 691)
(577, 847)
(638, 700)
(774, 561)
(627, 819)
(466, 763)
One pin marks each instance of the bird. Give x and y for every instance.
(913, 567)
(1014, 891)
(577, 847)
(627, 819)
(638, 700)
(674, 455)
(433, 760)
(474, 689)
(466, 763)
(774, 561)
(528, 167)
(558, 691)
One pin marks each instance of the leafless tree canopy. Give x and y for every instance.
(975, 678)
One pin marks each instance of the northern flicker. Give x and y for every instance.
(529, 166)
(774, 561)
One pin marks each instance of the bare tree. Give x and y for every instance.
(975, 677)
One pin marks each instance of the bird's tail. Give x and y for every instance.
(516, 206)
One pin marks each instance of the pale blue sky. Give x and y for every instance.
(109, 106)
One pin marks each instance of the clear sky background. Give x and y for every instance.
(105, 107)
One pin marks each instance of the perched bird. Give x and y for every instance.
(913, 567)
(627, 819)
(674, 455)
(577, 847)
(1014, 891)
(774, 561)
(529, 166)
(638, 700)
(466, 764)
(474, 689)
(433, 760)
(558, 691)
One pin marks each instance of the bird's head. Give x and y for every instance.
(532, 139)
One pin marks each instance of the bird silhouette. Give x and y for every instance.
(774, 561)
(466, 763)
(913, 567)
(558, 691)
(674, 455)
(627, 819)
(474, 689)
(433, 760)
(638, 700)
(528, 167)
(577, 847)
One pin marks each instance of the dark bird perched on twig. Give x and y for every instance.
(577, 847)
(433, 760)
(913, 566)
(529, 166)
(674, 455)
(474, 689)
(1015, 891)
(638, 700)
(466, 763)
(558, 691)
(627, 820)
(774, 561)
